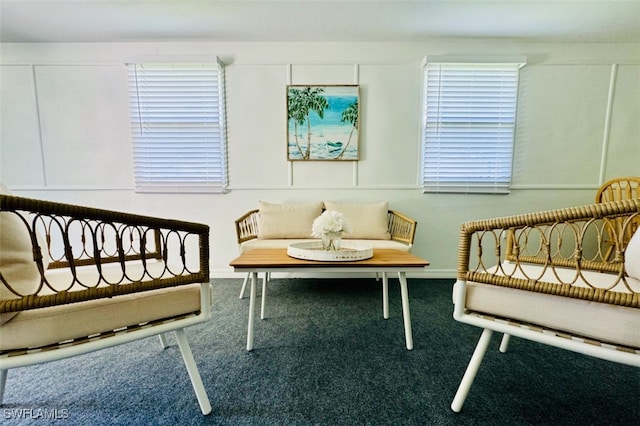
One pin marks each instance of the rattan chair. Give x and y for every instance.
(540, 276)
(75, 280)
(622, 188)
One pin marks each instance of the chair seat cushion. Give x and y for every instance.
(284, 243)
(600, 321)
(55, 324)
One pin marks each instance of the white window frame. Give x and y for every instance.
(468, 123)
(178, 125)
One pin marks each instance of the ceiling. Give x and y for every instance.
(607, 21)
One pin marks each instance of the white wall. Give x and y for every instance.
(65, 131)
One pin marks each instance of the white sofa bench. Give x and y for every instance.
(548, 277)
(278, 225)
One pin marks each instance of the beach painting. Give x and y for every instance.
(322, 122)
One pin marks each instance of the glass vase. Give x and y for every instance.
(331, 241)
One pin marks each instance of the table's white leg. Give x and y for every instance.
(264, 294)
(406, 314)
(252, 305)
(385, 295)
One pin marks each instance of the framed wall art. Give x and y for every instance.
(323, 122)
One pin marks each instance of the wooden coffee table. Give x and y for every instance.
(383, 261)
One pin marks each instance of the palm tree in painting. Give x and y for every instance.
(301, 104)
(296, 112)
(313, 101)
(349, 115)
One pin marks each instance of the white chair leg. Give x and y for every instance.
(504, 343)
(472, 370)
(385, 295)
(192, 369)
(244, 286)
(3, 383)
(163, 341)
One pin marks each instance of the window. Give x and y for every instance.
(178, 127)
(468, 126)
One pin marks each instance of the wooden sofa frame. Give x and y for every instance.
(574, 239)
(81, 240)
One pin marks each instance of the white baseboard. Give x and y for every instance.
(429, 273)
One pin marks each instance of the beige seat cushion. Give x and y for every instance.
(601, 321)
(40, 327)
(45, 326)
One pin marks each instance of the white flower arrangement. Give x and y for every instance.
(329, 221)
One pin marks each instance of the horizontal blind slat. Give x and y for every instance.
(177, 123)
(469, 122)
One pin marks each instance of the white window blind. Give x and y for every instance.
(468, 126)
(178, 127)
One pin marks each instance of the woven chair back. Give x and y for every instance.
(623, 188)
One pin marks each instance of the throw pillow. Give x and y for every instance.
(16, 257)
(287, 220)
(632, 256)
(367, 221)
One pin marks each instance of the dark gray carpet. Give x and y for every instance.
(325, 356)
